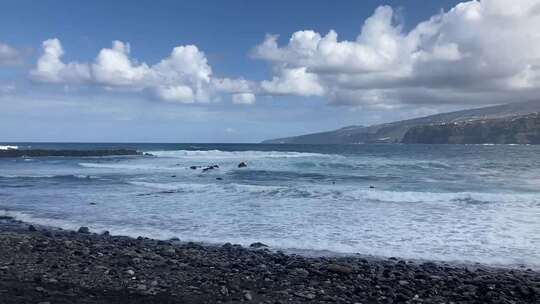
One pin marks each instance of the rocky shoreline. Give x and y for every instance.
(54, 266)
(67, 153)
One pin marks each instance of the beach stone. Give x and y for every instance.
(339, 269)
(83, 230)
(169, 252)
(224, 290)
(248, 296)
(403, 282)
(130, 272)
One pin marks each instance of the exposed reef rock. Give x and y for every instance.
(67, 153)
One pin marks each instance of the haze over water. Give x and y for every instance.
(455, 203)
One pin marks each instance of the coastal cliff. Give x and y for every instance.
(523, 129)
(394, 132)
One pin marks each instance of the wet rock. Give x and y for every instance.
(219, 178)
(194, 167)
(248, 296)
(242, 165)
(258, 245)
(31, 228)
(83, 230)
(339, 269)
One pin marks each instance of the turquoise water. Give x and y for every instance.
(455, 203)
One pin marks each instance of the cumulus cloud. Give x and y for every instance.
(184, 76)
(293, 81)
(243, 98)
(9, 55)
(114, 67)
(51, 69)
(478, 52)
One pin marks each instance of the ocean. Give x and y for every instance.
(456, 203)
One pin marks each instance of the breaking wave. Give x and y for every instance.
(218, 154)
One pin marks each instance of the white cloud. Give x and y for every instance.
(478, 52)
(50, 67)
(243, 98)
(295, 81)
(9, 55)
(113, 67)
(183, 94)
(184, 76)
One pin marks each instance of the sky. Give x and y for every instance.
(245, 71)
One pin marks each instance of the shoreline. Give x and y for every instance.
(59, 266)
(22, 224)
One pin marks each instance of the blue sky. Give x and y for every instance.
(276, 90)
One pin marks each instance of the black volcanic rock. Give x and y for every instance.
(66, 153)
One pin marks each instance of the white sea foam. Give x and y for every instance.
(205, 188)
(9, 147)
(125, 166)
(218, 154)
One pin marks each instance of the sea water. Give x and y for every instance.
(468, 203)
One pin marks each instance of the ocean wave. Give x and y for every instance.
(444, 197)
(60, 176)
(346, 193)
(119, 166)
(218, 154)
(9, 147)
(205, 188)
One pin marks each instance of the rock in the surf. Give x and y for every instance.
(83, 230)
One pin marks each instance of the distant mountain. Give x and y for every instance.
(394, 132)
